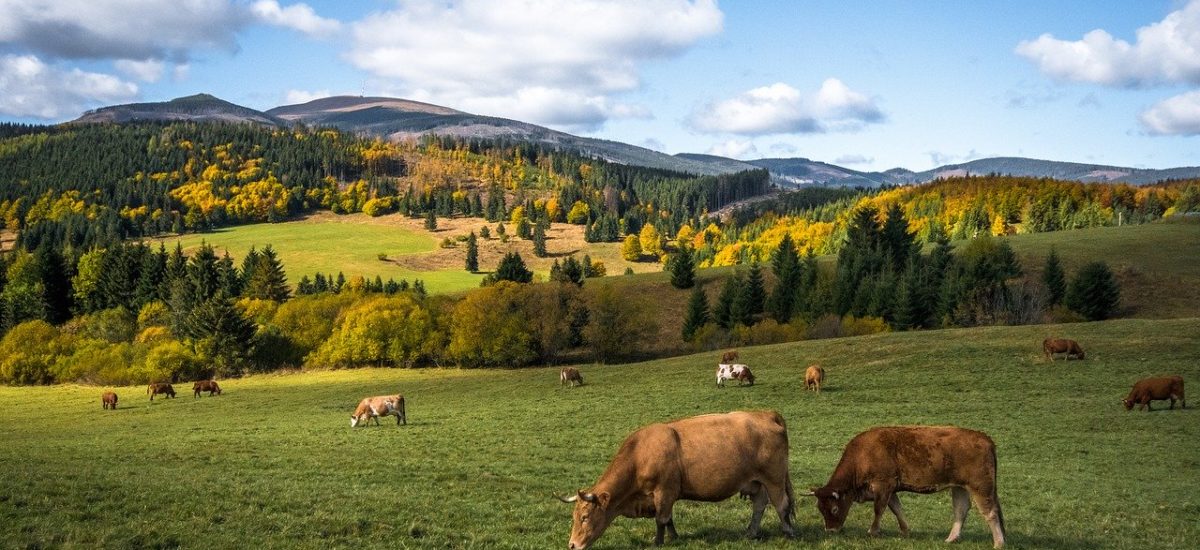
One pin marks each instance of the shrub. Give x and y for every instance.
(858, 326)
(154, 314)
(29, 351)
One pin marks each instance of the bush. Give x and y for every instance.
(29, 352)
(384, 330)
(172, 362)
(154, 314)
(859, 326)
(1094, 292)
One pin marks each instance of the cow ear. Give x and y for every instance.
(604, 499)
(587, 497)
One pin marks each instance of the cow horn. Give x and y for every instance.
(588, 497)
(567, 500)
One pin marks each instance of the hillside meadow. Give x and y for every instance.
(274, 463)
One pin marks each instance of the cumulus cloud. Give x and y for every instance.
(296, 97)
(298, 17)
(149, 70)
(1179, 115)
(654, 144)
(501, 56)
(783, 148)
(939, 158)
(118, 29)
(782, 109)
(853, 159)
(31, 88)
(1164, 52)
(734, 149)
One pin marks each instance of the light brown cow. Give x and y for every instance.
(209, 386)
(707, 458)
(1155, 389)
(880, 462)
(108, 401)
(1070, 348)
(814, 376)
(730, 356)
(570, 375)
(380, 405)
(164, 388)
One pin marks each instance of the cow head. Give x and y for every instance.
(353, 421)
(590, 519)
(833, 506)
(1128, 404)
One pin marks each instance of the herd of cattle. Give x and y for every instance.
(715, 456)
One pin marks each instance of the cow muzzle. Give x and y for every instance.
(576, 545)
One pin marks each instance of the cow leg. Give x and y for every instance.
(960, 503)
(783, 506)
(894, 506)
(758, 501)
(1172, 402)
(881, 502)
(663, 517)
(989, 508)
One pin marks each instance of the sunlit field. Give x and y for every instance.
(274, 463)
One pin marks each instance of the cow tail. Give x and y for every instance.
(996, 492)
(790, 511)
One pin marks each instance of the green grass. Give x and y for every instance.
(351, 245)
(274, 463)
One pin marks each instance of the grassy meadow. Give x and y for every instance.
(273, 463)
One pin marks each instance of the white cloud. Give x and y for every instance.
(149, 70)
(296, 97)
(939, 158)
(853, 159)
(299, 17)
(31, 88)
(783, 148)
(654, 144)
(501, 56)
(119, 29)
(734, 149)
(1179, 115)
(1165, 52)
(782, 109)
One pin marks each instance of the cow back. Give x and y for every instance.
(719, 453)
(924, 459)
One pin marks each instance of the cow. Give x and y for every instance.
(570, 375)
(1070, 348)
(741, 373)
(164, 388)
(880, 462)
(108, 401)
(730, 356)
(1155, 389)
(707, 458)
(814, 376)
(380, 405)
(209, 386)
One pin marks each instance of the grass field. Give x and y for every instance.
(273, 463)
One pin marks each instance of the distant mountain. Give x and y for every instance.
(195, 107)
(1018, 166)
(799, 172)
(399, 119)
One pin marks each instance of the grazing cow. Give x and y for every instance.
(882, 461)
(730, 356)
(1070, 348)
(707, 458)
(1155, 389)
(108, 401)
(570, 375)
(164, 388)
(209, 386)
(741, 373)
(375, 407)
(814, 376)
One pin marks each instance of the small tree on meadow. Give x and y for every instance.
(697, 314)
(1094, 292)
(650, 240)
(430, 221)
(472, 261)
(512, 268)
(631, 249)
(683, 269)
(1054, 278)
(539, 241)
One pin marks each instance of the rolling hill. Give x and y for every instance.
(199, 107)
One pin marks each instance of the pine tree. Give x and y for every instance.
(1094, 292)
(1054, 278)
(697, 314)
(786, 264)
(231, 280)
(683, 269)
(305, 286)
(754, 295)
(512, 268)
(268, 280)
(56, 287)
(898, 242)
(539, 240)
(430, 220)
(524, 229)
(222, 333)
(572, 270)
(472, 262)
(204, 281)
(151, 276)
(724, 314)
(588, 271)
(249, 262)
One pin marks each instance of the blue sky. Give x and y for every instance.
(868, 85)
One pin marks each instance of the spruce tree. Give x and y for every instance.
(231, 280)
(472, 262)
(56, 287)
(755, 295)
(1054, 278)
(786, 264)
(1094, 292)
(572, 270)
(151, 276)
(899, 244)
(524, 229)
(723, 313)
(697, 314)
(430, 220)
(204, 281)
(268, 280)
(222, 333)
(539, 240)
(683, 269)
(512, 268)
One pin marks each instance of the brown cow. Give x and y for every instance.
(209, 386)
(741, 373)
(880, 462)
(380, 405)
(1051, 346)
(707, 458)
(814, 376)
(108, 401)
(156, 388)
(1155, 389)
(730, 356)
(570, 375)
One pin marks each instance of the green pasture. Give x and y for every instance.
(273, 463)
(351, 246)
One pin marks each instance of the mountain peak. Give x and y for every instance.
(193, 107)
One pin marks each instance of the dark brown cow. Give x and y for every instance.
(570, 375)
(814, 376)
(880, 462)
(209, 386)
(1070, 348)
(1155, 389)
(707, 458)
(728, 357)
(108, 401)
(160, 387)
